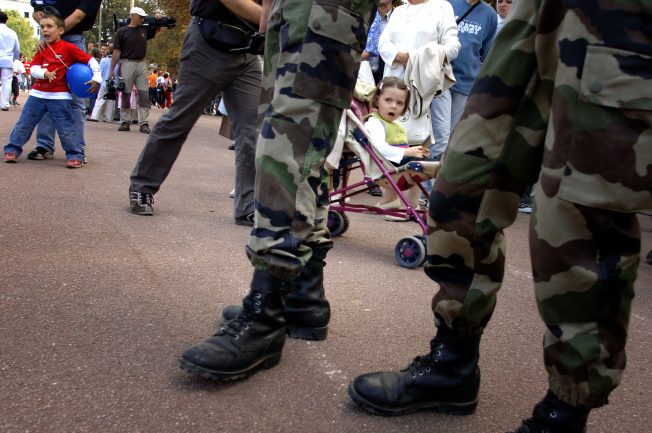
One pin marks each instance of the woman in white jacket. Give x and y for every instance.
(413, 25)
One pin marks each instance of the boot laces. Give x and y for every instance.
(240, 324)
(426, 363)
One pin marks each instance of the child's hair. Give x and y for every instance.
(49, 13)
(391, 82)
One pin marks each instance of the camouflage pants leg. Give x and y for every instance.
(584, 263)
(312, 55)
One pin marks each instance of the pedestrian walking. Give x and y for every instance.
(206, 69)
(9, 52)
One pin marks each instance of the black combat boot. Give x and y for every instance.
(446, 380)
(306, 310)
(552, 415)
(252, 339)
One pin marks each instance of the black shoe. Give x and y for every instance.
(232, 147)
(253, 339)
(552, 415)
(141, 203)
(446, 380)
(144, 128)
(4, 109)
(525, 207)
(39, 154)
(305, 308)
(375, 191)
(649, 258)
(245, 220)
(135, 122)
(124, 126)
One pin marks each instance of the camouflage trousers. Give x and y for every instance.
(312, 56)
(584, 265)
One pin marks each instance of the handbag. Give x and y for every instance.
(419, 129)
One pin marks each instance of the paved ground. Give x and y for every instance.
(96, 304)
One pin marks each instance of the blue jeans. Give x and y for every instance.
(45, 130)
(445, 111)
(61, 114)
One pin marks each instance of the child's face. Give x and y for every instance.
(50, 31)
(391, 103)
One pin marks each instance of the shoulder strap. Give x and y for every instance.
(459, 20)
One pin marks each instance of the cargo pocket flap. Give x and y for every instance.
(617, 78)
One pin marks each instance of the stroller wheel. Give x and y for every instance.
(338, 222)
(410, 252)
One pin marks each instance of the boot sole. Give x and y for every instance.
(307, 333)
(225, 376)
(447, 408)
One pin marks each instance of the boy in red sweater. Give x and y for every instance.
(50, 93)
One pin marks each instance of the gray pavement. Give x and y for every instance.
(96, 304)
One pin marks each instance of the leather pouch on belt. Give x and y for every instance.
(221, 36)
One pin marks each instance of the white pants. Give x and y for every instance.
(7, 76)
(103, 105)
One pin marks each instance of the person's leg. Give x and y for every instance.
(440, 116)
(142, 84)
(78, 105)
(241, 98)
(127, 71)
(100, 102)
(62, 116)
(474, 199)
(584, 277)
(199, 80)
(300, 124)
(5, 93)
(458, 102)
(32, 112)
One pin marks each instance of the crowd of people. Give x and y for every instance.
(488, 104)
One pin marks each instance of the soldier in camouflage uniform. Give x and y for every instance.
(565, 96)
(312, 56)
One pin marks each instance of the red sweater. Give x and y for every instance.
(62, 52)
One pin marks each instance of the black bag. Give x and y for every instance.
(221, 36)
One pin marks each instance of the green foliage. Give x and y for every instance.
(25, 32)
(164, 48)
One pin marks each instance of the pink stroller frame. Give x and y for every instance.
(410, 251)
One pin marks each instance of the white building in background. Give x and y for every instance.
(24, 8)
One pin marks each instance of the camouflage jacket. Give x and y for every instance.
(575, 78)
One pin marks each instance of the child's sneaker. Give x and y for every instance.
(39, 154)
(74, 163)
(10, 157)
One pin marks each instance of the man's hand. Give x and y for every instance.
(365, 55)
(41, 45)
(37, 15)
(93, 86)
(402, 57)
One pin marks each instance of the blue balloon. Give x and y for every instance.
(77, 75)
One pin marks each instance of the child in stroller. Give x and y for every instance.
(359, 150)
(390, 138)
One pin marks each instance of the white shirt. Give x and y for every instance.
(19, 68)
(376, 131)
(9, 47)
(413, 26)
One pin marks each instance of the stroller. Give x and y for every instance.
(357, 153)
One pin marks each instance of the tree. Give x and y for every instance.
(25, 32)
(164, 48)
